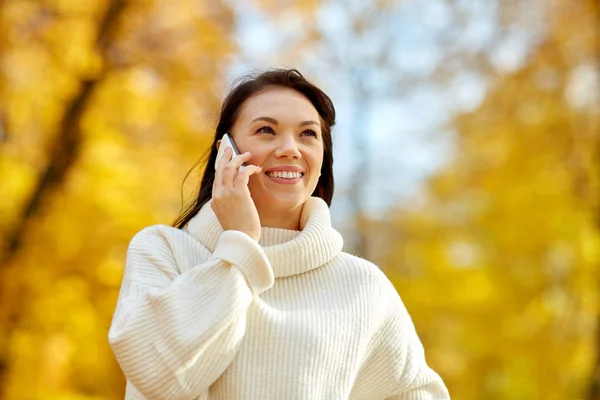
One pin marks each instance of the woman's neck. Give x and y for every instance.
(280, 218)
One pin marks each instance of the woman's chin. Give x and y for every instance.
(284, 201)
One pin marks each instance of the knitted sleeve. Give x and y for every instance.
(417, 380)
(174, 333)
(394, 367)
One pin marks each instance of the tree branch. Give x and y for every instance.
(63, 155)
(67, 145)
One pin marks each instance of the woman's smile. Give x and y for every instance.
(287, 175)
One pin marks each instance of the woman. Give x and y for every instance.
(250, 296)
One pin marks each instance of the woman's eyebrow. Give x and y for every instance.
(304, 123)
(268, 119)
(275, 122)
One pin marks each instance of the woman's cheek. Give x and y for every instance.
(252, 161)
(256, 158)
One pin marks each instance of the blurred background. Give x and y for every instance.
(467, 163)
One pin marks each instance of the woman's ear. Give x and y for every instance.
(218, 144)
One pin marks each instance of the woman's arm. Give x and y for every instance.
(421, 382)
(175, 333)
(394, 367)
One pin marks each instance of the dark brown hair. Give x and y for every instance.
(245, 88)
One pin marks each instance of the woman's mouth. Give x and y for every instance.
(285, 177)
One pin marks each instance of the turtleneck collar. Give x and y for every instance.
(290, 252)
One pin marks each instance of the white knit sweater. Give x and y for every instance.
(207, 314)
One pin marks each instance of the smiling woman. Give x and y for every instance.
(250, 295)
(276, 107)
(287, 143)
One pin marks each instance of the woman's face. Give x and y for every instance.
(282, 130)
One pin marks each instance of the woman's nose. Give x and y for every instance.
(288, 148)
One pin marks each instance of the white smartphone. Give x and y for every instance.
(226, 141)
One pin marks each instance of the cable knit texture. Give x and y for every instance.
(212, 315)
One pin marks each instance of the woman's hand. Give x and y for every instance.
(231, 200)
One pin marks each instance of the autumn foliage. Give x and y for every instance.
(105, 105)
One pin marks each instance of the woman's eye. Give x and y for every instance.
(265, 129)
(310, 132)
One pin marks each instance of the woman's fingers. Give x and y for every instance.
(231, 170)
(244, 176)
(233, 205)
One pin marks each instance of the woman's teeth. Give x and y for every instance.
(285, 174)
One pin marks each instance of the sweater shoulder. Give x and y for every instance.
(155, 232)
(173, 248)
(368, 272)
(360, 265)
(158, 236)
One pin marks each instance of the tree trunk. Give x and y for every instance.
(66, 146)
(63, 155)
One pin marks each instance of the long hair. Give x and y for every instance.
(245, 88)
